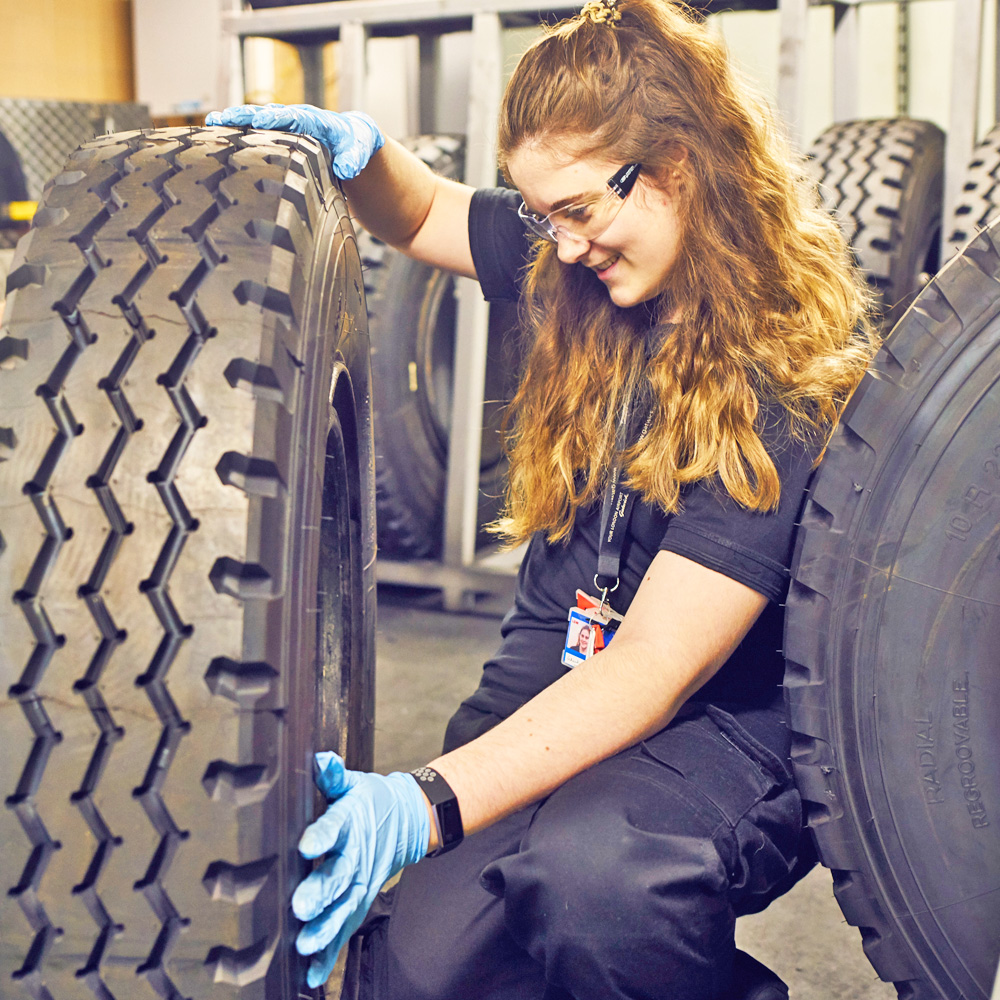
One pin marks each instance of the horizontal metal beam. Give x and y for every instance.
(400, 17)
(480, 593)
(484, 577)
(416, 15)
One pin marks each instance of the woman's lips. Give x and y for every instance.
(605, 266)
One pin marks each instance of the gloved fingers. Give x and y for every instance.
(321, 125)
(331, 775)
(319, 932)
(323, 962)
(320, 967)
(276, 116)
(238, 115)
(347, 166)
(330, 832)
(327, 883)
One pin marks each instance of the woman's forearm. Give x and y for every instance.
(392, 195)
(589, 714)
(400, 200)
(672, 641)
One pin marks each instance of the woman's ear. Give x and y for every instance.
(679, 165)
(670, 177)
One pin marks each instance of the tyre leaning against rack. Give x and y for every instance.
(979, 201)
(892, 628)
(412, 322)
(883, 180)
(186, 561)
(12, 188)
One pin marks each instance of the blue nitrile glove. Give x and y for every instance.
(351, 136)
(376, 826)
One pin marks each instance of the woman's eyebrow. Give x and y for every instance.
(573, 199)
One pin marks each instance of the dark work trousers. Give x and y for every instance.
(625, 882)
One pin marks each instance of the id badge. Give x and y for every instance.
(590, 628)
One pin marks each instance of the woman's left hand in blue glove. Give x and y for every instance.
(351, 136)
(376, 825)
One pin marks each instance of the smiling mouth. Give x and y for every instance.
(606, 264)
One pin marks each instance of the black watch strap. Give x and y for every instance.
(447, 815)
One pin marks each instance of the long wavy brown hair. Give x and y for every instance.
(768, 306)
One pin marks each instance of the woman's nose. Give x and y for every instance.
(570, 249)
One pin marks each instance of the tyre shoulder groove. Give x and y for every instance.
(31, 596)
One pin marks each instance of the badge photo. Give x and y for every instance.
(580, 638)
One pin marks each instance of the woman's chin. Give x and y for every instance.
(625, 297)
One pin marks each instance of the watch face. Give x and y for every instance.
(451, 821)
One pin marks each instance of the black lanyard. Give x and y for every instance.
(616, 513)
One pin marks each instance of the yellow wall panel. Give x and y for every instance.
(288, 83)
(67, 50)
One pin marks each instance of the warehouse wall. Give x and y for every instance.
(81, 50)
(76, 50)
(178, 46)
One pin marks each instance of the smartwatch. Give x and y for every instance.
(447, 815)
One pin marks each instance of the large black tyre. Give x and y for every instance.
(892, 629)
(883, 180)
(979, 201)
(186, 561)
(412, 324)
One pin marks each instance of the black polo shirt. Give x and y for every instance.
(711, 529)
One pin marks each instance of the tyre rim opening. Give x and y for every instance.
(339, 599)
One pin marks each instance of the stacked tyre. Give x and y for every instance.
(882, 180)
(412, 321)
(979, 200)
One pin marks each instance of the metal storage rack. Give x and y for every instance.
(460, 574)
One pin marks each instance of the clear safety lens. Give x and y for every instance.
(586, 220)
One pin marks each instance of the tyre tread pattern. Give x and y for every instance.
(980, 198)
(156, 198)
(864, 171)
(29, 599)
(157, 586)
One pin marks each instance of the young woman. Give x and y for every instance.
(694, 329)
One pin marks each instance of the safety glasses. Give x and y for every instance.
(587, 220)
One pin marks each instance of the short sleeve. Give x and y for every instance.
(500, 245)
(751, 547)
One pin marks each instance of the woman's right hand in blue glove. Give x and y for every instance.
(375, 826)
(351, 136)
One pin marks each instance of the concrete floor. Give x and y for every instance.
(429, 660)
